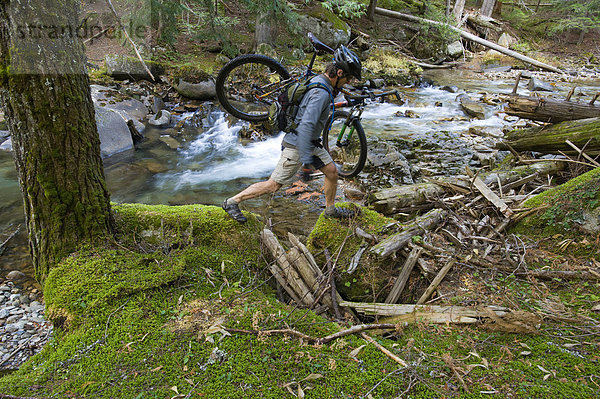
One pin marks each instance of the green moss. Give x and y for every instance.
(566, 206)
(366, 282)
(320, 12)
(391, 66)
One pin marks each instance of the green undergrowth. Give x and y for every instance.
(569, 209)
(147, 315)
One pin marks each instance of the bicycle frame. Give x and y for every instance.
(357, 110)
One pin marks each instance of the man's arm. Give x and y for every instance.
(317, 102)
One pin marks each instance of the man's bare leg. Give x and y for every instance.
(256, 190)
(330, 185)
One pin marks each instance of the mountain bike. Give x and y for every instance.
(247, 86)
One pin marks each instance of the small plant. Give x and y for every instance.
(347, 8)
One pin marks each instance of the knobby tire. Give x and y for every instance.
(351, 157)
(244, 77)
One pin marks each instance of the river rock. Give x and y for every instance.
(325, 25)
(471, 107)
(6, 145)
(197, 91)
(157, 104)
(536, 84)
(383, 156)
(129, 108)
(455, 49)
(161, 119)
(16, 276)
(115, 135)
(122, 67)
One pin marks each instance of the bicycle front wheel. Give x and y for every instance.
(346, 143)
(247, 85)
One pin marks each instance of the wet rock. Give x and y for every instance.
(197, 91)
(497, 69)
(536, 84)
(161, 119)
(353, 193)
(450, 89)
(376, 83)
(153, 166)
(170, 141)
(122, 67)
(383, 156)
(471, 107)
(6, 145)
(157, 104)
(16, 276)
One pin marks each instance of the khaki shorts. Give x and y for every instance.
(289, 164)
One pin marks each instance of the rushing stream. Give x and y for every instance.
(205, 161)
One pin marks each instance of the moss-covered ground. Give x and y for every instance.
(144, 316)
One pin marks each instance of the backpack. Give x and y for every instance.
(283, 111)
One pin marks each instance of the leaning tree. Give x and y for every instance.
(45, 93)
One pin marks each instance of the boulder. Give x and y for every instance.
(122, 67)
(536, 84)
(114, 133)
(471, 108)
(129, 108)
(506, 40)
(326, 26)
(455, 49)
(157, 104)
(15, 276)
(197, 91)
(161, 119)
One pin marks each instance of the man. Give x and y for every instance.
(302, 148)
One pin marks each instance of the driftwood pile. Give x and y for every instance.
(462, 226)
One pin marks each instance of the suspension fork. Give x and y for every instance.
(343, 139)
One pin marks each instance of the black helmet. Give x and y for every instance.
(347, 61)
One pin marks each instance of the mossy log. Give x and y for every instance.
(548, 110)
(397, 241)
(584, 133)
(390, 200)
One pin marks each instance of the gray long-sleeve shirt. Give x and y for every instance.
(312, 116)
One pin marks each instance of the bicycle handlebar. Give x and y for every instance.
(355, 98)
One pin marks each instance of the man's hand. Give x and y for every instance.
(305, 172)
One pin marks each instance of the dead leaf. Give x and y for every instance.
(312, 377)
(356, 351)
(300, 392)
(157, 368)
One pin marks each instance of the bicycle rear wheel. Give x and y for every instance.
(247, 85)
(349, 151)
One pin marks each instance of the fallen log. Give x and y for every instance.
(548, 110)
(291, 279)
(436, 281)
(390, 200)
(584, 133)
(407, 268)
(468, 36)
(427, 313)
(397, 241)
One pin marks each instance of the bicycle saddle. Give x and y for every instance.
(319, 45)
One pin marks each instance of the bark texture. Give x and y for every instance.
(46, 95)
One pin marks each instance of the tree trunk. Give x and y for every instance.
(371, 9)
(487, 7)
(459, 7)
(584, 133)
(46, 95)
(263, 32)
